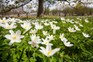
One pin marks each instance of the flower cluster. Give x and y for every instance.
(42, 34)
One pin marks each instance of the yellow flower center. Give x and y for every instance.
(3, 21)
(71, 30)
(8, 27)
(49, 52)
(46, 43)
(62, 37)
(14, 37)
(25, 27)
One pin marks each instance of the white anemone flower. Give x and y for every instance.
(54, 21)
(14, 37)
(19, 21)
(45, 33)
(13, 20)
(67, 20)
(46, 24)
(48, 51)
(76, 22)
(76, 27)
(54, 27)
(46, 41)
(62, 18)
(50, 37)
(63, 38)
(9, 26)
(35, 41)
(34, 31)
(63, 21)
(4, 20)
(68, 44)
(51, 23)
(71, 29)
(71, 21)
(80, 25)
(65, 41)
(38, 26)
(85, 35)
(26, 26)
(86, 20)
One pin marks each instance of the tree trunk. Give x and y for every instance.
(40, 8)
(18, 15)
(27, 15)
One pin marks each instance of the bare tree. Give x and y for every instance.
(19, 3)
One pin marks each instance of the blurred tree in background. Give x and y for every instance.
(53, 7)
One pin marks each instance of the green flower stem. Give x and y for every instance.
(21, 55)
